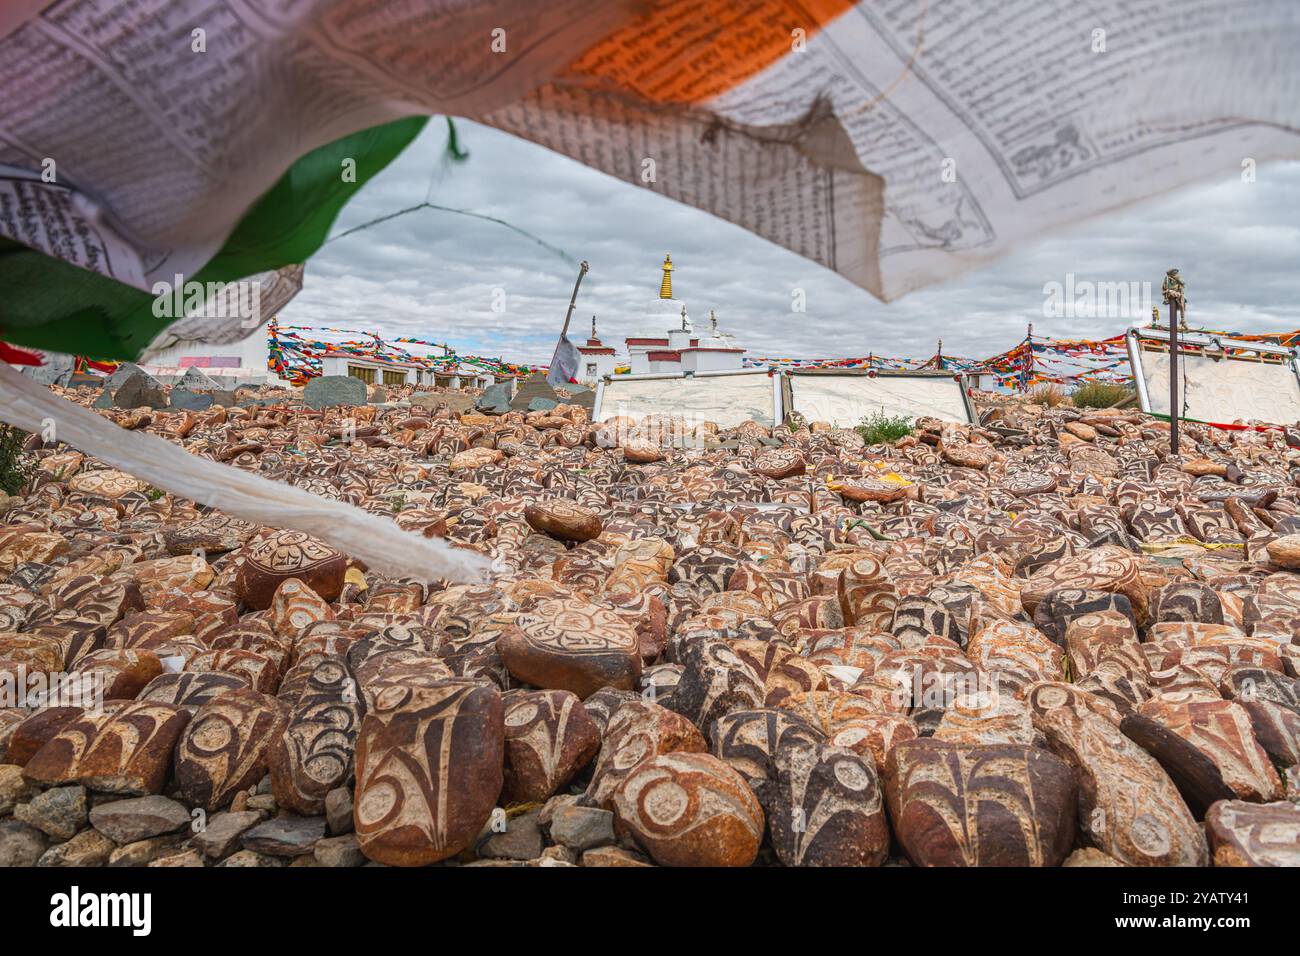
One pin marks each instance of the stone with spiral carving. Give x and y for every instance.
(225, 747)
(315, 752)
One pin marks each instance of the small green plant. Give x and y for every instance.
(1099, 395)
(15, 469)
(153, 494)
(882, 429)
(397, 502)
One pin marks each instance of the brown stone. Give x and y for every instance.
(127, 752)
(827, 808)
(269, 561)
(315, 752)
(564, 520)
(429, 771)
(1285, 551)
(690, 809)
(1221, 729)
(1251, 834)
(549, 737)
(225, 748)
(637, 731)
(1128, 806)
(572, 645)
(955, 804)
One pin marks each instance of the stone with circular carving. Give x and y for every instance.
(1128, 806)
(105, 483)
(429, 771)
(315, 752)
(637, 731)
(867, 594)
(715, 681)
(827, 808)
(780, 463)
(225, 748)
(690, 809)
(549, 738)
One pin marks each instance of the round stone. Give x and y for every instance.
(269, 561)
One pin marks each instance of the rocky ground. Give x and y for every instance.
(1040, 641)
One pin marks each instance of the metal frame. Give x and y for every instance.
(599, 403)
(962, 379)
(1134, 337)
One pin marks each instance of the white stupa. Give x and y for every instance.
(678, 348)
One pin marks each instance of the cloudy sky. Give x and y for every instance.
(434, 275)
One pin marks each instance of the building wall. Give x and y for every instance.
(338, 365)
(603, 365)
(710, 360)
(248, 356)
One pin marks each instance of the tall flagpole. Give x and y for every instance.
(573, 302)
(583, 267)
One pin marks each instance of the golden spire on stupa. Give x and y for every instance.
(666, 287)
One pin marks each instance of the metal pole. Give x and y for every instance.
(1173, 376)
(573, 301)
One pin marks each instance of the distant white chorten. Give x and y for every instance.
(679, 349)
(597, 359)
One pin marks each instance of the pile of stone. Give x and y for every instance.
(1042, 640)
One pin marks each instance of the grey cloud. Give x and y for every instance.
(433, 274)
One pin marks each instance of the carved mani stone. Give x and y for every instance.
(980, 805)
(1196, 776)
(748, 740)
(191, 688)
(563, 519)
(715, 681)
(827, 808)
(549, 737)
(314, 753)
(1252, 834)
(128, 751)
(637, 731)
(867, 594)
(271, 560)
(572, 645)
(225, 748)
(1186, 601)
(1221, 729)
(690, 809)
(1061, 606)
(1128, 806)
(429, 771)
